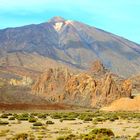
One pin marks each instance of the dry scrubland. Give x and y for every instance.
(68, 125)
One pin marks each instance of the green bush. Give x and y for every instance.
(32, 120)
(49, 122)
(99, 119)
(98, 134)
(56, 116)
(25, 115)
(37, 124)
(42, 116)
(4, 122)
(88, 137)
(71, 137)
(12, 118)
(21, 118)
(15, 115)
(82, 116)
(104, 131)
(68, 118)
(22, 136)
(34, 114)
(61, 138)
(61, 120)
(4, 116)
(87, 118)
(112, 117)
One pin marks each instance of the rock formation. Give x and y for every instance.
(97, 67)
(82, 89)
(135, 84)
(51, 83)
(25, 81)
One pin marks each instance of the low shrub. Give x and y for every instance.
(25, 115)
(56, 116)
(15, 115)
(68, 118)
(22, 117)
(42, 116)
(34, 114)
(69, 137)
(104, 131)
(4, 122)
(86, 119)
(61, 138)
(88, 137)
(21, 136)
(61, 120)
(12, 118)
(37, 124)
(99, 119)
(4, 116)
(49, 122)
(98, 134)
(32, 120)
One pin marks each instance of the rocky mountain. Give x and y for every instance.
(82, 89)
(67, 43)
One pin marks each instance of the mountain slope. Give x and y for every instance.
(70, 43)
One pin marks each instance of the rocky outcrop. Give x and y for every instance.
(107, 91)
(51, 84)
(126, 88)
(97, 67)
(25, 81)
(135, 84)
(83, 89)
(79, 89)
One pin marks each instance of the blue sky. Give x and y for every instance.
(121, 17)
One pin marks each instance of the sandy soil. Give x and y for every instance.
(124, 104)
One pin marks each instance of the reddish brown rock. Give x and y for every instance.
(83, 89)
(126, 88)
(51, 84)
(107, 91)
(97, 66)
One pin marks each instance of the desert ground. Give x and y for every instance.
(69, 125)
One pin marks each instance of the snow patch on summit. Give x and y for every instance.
(58, 26)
